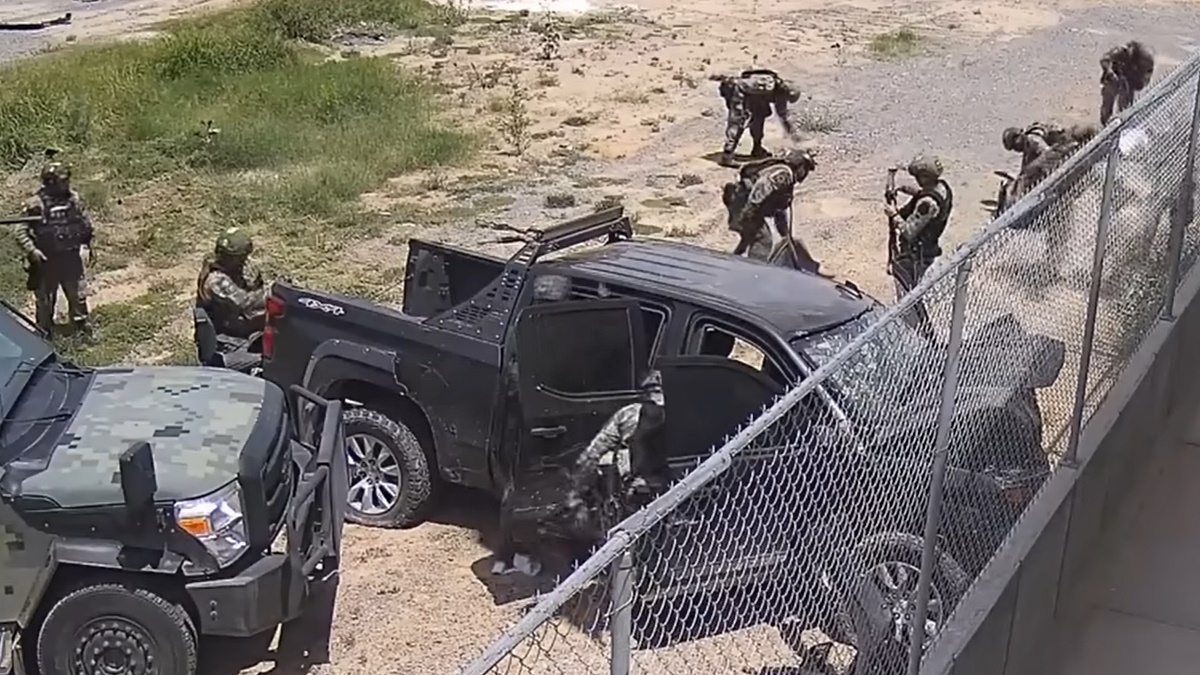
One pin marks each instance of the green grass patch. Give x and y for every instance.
(299, 135)
(122, 327)
(897, 43)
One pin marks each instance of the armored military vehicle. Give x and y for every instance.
(139, 506)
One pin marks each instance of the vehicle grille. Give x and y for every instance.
(278, 475)
(268, 488)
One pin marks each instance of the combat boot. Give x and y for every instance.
(759, 152)
(727, 160)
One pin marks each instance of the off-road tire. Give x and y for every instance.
(163, 628)
(417, 480)
(949, 578)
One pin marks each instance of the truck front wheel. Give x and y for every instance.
(112, 628)
(391, 484)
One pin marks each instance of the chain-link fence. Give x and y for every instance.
(837, 531)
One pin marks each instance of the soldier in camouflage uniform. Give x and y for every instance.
(750, 98)
(916, 228)
(1031, 142)
(1124, 71)
(56, 247)
(230, 291)
(1062, 145)
(631, 440)
(760, 205)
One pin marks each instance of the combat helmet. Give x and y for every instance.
(801, 159)
(1011, 137)
(56, 172)
(925, 166)
(234, 243)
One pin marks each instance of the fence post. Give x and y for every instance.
(1070, 459)
(933, 516)
(1183, 211)
(622, 616)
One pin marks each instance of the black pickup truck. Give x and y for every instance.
(427, 388)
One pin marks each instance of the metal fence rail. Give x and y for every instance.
(836, 532)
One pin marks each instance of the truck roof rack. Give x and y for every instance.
(487, 314)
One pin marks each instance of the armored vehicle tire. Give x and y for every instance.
(121, 629)
(391, 484)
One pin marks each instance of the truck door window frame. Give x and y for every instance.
(586, 289)
(694, 335)
(534, 386)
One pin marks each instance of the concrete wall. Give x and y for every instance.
(1027, 600)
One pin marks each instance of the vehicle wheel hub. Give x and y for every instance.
(897, 581)
(375, 479)
(113, 647)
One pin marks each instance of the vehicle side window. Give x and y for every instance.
(709, 338)
(708, 398)
(584, 352)
(654, 317)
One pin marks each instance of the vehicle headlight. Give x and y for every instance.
(217, 520)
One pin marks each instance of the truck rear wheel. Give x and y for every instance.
(109, 628)
(391, 484)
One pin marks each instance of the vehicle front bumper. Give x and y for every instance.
(269, 592)
(274, 588)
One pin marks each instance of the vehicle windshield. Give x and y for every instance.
(877, 370)
(21, 350)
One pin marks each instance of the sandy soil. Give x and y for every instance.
(624, 109)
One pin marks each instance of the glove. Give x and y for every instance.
(889, 210)
(85, 254)
(37, 255)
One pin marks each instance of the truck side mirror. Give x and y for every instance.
(139, 482)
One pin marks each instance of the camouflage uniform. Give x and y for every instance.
(56, 247)
(231, 292)
(632, 440)
(1030, 142)
(750, 98)
(1063, 144)
(1124, 71)
(763, 219)
(915, 231)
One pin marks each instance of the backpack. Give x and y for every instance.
(735, 194)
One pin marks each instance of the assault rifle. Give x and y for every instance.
(20, 220)
(889, 198)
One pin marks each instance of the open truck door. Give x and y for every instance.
(578, 362)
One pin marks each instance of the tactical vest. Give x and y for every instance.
(926, 245)
(221, 315)
(736, 194)
(62, 228)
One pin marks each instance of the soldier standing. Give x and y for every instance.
(232, 294)
(750, 98)
(915, 230)
(56, 245)
(1124, 71)
(760, 204)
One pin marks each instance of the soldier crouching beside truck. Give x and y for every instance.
(56, 234)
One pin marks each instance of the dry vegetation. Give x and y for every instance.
(233, 118)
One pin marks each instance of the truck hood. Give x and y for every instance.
(196, 420)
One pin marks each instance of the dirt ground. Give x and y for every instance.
(620, 108)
